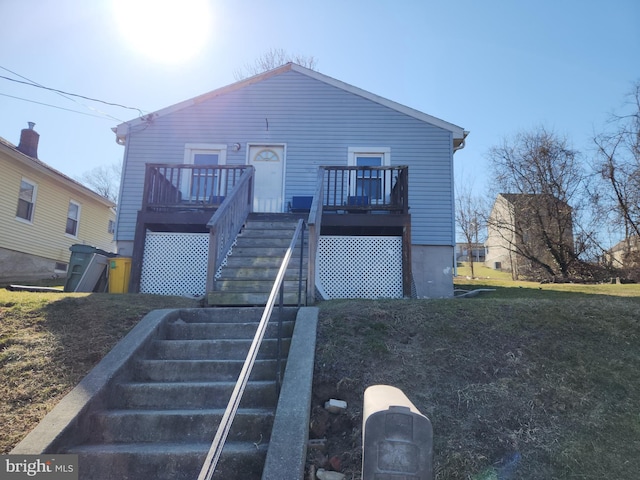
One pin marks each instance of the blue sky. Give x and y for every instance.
(492, 67)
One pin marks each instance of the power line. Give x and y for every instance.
(32, 84)
(61, 108)
(64, 96)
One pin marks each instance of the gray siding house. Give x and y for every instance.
(286, 126)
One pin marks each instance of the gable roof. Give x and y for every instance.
(459, 134)
(39, 165)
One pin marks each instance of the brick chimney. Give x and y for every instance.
(29, 141)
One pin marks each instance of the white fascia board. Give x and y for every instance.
(458, 132)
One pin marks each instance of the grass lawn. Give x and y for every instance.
(539, 380)
(543, 379)
(49, 341)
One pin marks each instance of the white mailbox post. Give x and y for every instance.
(397, 440)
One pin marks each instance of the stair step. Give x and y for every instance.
(224, 349)
(188, 395)
(147, 370)
(227, 315)
(249, 273)
(168, 461)
(216, 331)
(250, 242)
(277, 231)
(255, 261)
(231, 272)
(249, 298)
(129, 426)
(254, 286)
(262, 251)
(281, 224)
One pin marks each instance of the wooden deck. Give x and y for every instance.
(214, 199)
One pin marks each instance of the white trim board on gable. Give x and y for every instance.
(458, 133)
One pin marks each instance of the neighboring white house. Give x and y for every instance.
(625, 253)
(289, 122)
(528, 234)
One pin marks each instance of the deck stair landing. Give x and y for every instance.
(252, 266)
(158, 422)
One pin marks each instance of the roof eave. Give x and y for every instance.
(123, 129)
(459, 133)
(52, 173)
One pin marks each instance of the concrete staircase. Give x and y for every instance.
(158, 420)
(252, 267)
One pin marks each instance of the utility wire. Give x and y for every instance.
(61, 108)
(64, 96)
(32, 84)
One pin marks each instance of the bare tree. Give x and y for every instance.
(542, 181)
(470, 219)
(273, 58)
(618, 165)
(104, 180)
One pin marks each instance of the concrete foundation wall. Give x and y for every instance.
(18, 266)
(432, 270)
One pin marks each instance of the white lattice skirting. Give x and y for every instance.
(359, 267)
(175, 263)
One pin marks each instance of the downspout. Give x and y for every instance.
(455, 149)
(121, 139)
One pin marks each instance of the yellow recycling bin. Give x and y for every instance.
(119, 272)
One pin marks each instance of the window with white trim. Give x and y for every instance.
(73, 219)
(370, 184)
(203, 183)
(26, 200)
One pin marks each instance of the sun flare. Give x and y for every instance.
(168, 31)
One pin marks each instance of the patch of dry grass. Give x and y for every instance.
(544, 382)
(49, 341)
(547, 377)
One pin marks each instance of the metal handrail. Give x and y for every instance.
(211, 461)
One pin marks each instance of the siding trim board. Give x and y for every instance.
(458, 133)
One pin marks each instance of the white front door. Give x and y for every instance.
(268, 160)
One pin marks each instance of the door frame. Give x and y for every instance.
(191, 149)
(282, 145)
(385, 155)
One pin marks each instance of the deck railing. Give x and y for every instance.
(174, 186)
(314, 223)
(365, 189)
(226, 222)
